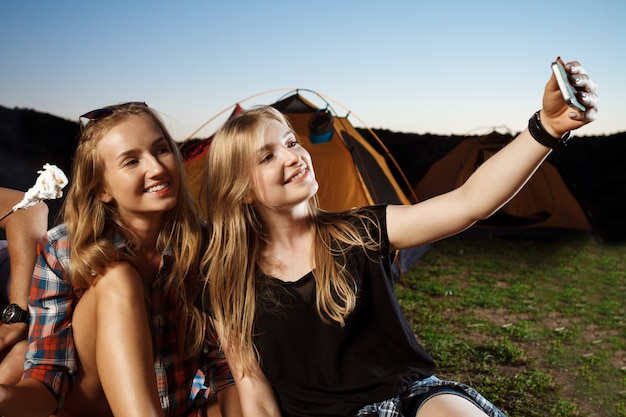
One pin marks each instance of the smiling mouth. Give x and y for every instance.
(298, 176)
(157, 188)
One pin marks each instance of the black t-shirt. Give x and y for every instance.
(322, 369)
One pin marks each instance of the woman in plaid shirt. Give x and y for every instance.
(114, 329)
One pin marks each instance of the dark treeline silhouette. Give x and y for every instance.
(591, 166)
(28, 140)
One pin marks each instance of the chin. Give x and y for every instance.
(169, 205)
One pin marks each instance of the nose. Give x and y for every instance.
(292, 156)
(154, 166)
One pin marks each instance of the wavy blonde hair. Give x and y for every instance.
(92, 246)
(237, 239)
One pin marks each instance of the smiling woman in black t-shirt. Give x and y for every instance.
(303, 299)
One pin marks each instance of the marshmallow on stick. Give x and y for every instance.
(49, 185)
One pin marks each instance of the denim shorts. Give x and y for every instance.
(408, 403)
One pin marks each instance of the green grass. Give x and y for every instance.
(538, 327)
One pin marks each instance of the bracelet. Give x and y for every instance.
(541, 135)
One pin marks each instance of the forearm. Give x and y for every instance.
(491, 186)
(24, 228)
(257, 398)
(499, 178)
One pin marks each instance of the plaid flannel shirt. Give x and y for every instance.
(51, 356)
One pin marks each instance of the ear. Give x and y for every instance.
(104, 196)
(248, 198)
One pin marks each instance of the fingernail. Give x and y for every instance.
(573, 115)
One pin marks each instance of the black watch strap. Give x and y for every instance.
(541, 135)
(14, 314)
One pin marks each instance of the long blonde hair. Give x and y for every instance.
(237, 239)
(92, 246)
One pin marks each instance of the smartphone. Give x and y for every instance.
(568, 91)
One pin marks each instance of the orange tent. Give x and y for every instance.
(544, 202)
(352, 169)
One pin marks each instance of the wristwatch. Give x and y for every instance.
(14, 314)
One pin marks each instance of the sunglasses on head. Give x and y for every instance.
(107, 111)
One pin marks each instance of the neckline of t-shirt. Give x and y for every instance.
(300, 281)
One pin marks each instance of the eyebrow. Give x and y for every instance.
(132, 151)
(268, 146)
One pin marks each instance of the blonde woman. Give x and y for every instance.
(303, 299)
(114, 327)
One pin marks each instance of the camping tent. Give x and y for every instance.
(352, 169)
(194, 154)
(543, 205)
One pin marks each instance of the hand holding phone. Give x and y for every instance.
(568, 91)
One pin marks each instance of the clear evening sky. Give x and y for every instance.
(443, 67)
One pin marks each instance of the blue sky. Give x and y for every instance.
(414, 66)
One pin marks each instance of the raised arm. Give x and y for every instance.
(500, 177)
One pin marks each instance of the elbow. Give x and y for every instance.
(484, 215)
(40, 214)
(482, 212)
(42, 210)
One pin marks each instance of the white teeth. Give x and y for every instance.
(300, 174)
(156, 188)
